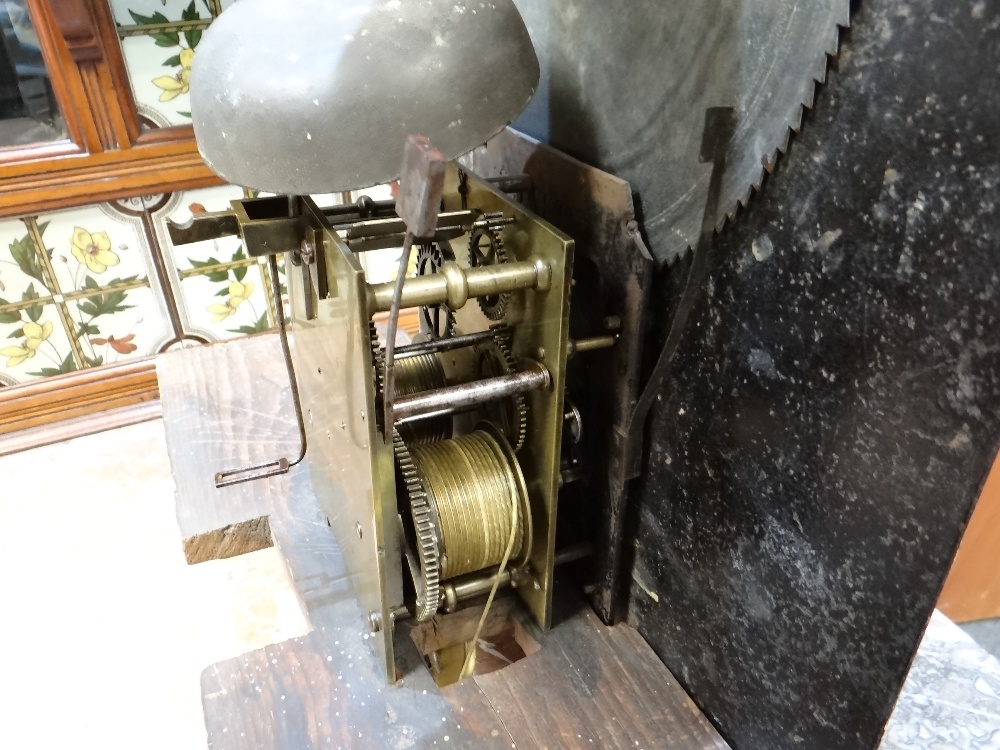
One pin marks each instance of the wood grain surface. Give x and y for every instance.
(972, 590)
(90, 392)
(588, 686)
(107, 154)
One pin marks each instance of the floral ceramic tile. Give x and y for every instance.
(22, 270)
(160, 80)
(116, 325)
(227, 304)
(222, 290)
(33, 340)
(102, 263)
(129, 12)
(159, 40)
(34, 344)
(92, 247)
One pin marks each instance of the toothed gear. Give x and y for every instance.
(430, 258)
(378, 358)
(496, 358)
(378, 374)
(426, 538)
(494, 306)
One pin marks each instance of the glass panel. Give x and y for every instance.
(28, 110)
(159, 39)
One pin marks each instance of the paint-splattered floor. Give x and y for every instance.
(986, 633)
(105, 628)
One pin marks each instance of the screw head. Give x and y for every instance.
(375, 622)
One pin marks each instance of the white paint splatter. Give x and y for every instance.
(762, 248)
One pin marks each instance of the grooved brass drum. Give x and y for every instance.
(416, 375)
(472, 481)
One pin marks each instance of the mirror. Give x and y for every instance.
(28, 110)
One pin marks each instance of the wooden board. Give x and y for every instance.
(74, 427)
(86, 393)
(588, 686)
(972, 590)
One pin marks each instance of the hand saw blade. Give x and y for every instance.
(626, 84)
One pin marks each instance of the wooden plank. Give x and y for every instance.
(972, 590)
(49, 184)
(78, 394)
(225, 407)
(228, 404)
(67, 429)
(599, 687)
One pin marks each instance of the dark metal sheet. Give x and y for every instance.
(835, 402)
(613, 277)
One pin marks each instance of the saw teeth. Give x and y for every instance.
(815, 71)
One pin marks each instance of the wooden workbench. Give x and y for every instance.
(588, 686)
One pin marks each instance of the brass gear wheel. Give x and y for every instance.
(510, 415)
(423, 550)
(378, 358)
(486, 248)
(378, 374)
(438, 320)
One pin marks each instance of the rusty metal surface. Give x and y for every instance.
(421, 184)
(612, 278)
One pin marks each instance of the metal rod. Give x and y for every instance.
(437, 346)
(251, 473)
(455, 285)
(364, 210)
(470, 588)
(591, 345)
(281, 465)
(532, 377)
(379, 234)
(462, 590)
(514, 183)
(393, 225)
(389, 392)
(573, 553)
